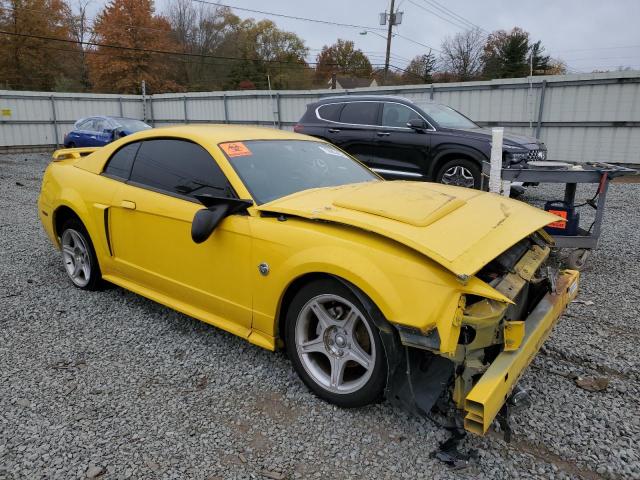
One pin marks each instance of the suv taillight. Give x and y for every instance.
(298, 128)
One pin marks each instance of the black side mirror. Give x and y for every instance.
(206, 220)
(116, 133)
(417, 124)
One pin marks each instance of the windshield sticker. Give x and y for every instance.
(332, 151)
(235, 149)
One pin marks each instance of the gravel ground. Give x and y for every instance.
(108, 384)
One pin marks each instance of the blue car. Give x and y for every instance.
(98, 131)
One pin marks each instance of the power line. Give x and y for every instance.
(422, 7)
(418, 43)
(453, 14)
(313, 20)
(139, 27)
(162, 52)
(290, 17)
(148, 50)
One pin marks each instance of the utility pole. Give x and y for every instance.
(393, 18)
(391, 21)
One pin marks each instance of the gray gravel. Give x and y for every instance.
(111, 385)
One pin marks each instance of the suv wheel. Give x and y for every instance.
(461, 173)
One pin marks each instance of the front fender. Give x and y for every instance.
(408, 288)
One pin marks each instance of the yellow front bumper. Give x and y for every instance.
(485, 399)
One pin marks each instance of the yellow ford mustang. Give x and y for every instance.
(406, 290)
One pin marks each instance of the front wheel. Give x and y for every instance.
(461, 173)
(334, 345)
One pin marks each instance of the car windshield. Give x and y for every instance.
(446, 116)
(271, 169)
(131, 125)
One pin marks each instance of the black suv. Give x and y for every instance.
(401, 140)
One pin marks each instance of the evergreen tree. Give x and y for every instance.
(420, 69)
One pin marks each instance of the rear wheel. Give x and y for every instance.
(334, 345)
(460, 172)
(78, 256)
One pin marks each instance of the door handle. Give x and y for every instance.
(128, 204)
(383, 134)
(334, 130)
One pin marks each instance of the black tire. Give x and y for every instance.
(71, 145)
(360, 390)
(71, 229)
(469, 167)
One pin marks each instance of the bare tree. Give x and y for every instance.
(80, 31)
(201, 29)
(462, 55)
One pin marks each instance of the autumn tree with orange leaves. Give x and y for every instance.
(132, 24)
(29, 60)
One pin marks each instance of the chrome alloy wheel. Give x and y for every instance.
(335, 344)
(459, 176)
(76, 257)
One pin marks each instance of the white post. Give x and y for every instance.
(144, 101)
(495, 181)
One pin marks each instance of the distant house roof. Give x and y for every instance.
(350, 82)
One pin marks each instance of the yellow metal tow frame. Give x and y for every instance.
(485, 399)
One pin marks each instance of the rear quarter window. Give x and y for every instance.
(330, 112)
(120, 163)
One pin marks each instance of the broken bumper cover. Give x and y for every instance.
(487, 396)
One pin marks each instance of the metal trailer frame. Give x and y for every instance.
(590, 172)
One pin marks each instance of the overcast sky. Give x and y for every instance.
(587, 34)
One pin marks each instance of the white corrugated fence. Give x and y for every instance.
(588, 117)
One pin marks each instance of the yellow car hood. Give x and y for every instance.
(459, 228)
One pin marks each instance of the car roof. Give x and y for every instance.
(105, 117)
(368, 98)
(218, 133)
(122, 118)
(207, 135)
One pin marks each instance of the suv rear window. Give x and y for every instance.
(330, 112)
(360, 113)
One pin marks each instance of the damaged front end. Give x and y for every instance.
(496, 342)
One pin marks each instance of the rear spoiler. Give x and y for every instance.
(70, 153)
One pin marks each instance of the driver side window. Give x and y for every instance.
(396, 115)
(98, 125)
(178, 167)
